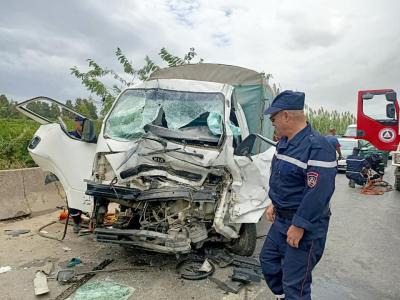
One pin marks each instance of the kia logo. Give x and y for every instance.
(158, 159)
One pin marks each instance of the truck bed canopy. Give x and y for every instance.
(251, 89)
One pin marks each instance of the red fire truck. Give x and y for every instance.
(378, 123)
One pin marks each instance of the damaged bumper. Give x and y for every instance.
(150, 240)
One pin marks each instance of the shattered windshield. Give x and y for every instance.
(174, 110)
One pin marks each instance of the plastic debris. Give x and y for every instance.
(5, 269)
(73, 262)
(47, 268)
(103, 290)
(206, 266)
(40, 283)
(44, 231)
(66, 249)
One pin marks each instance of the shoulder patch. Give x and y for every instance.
(312, 179)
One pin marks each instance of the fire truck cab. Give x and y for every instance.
(378, 123)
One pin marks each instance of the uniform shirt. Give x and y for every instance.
(302, 180)
(75, 134)
(354, 165)
(332, 140)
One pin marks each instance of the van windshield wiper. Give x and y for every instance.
(178, 150)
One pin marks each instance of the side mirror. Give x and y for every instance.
(391, 96)
(89, 131)
(390, 110)
(367, 96)
(245, 147)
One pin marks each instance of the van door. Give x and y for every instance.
(55, 149)
(251, 194)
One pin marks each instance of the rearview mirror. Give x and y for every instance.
(89, 131)
(391, 96)
(390, 111)
(245, 148)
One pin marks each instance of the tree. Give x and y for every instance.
(322, 120)
(86, 107)
(8, 109)
(92, 79)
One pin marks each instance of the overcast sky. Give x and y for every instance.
(328, 49)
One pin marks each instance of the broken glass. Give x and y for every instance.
(137, 108)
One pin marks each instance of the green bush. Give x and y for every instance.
(15, 135)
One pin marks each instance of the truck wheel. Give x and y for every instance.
(246, 243)
(397, 180)
(385, 160)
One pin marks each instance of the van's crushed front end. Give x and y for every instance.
(165, 154)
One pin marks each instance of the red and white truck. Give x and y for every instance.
(378, 123)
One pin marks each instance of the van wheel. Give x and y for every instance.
(246, 243)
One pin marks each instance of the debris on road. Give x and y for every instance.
(66, 249)
(83, 280)
(103, 290)
(16, 232)
(40, 283)
(67, 275)
(47, 268)
(206, 266)
(195, 268)
(73, 262)
(228, 286)
(5, 269)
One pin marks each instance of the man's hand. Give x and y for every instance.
(270, 213)
(294, 235)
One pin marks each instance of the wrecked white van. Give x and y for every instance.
(186, 155)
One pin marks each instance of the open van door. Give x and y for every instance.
(57, 151)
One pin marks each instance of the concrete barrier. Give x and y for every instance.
(23, 192)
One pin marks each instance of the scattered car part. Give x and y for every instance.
(67, 275)
(245, 275)
(228, 286)
(191, 269)
(66, 293)
(40, 283)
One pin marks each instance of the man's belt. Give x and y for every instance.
(289, 213)
(285, 213)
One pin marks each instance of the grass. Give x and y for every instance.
(15, 135)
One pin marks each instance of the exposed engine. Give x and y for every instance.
(162, 215)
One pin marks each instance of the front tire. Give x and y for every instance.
(397, 179)
(246, 243)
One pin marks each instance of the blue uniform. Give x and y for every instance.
(301, 185)
(333, 141)
(354, 166)
(75, 134)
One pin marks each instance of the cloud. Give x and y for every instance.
(329, 49)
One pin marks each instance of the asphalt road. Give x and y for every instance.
(361, 259)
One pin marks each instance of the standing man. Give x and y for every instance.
(333, 140)
(302, 182)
